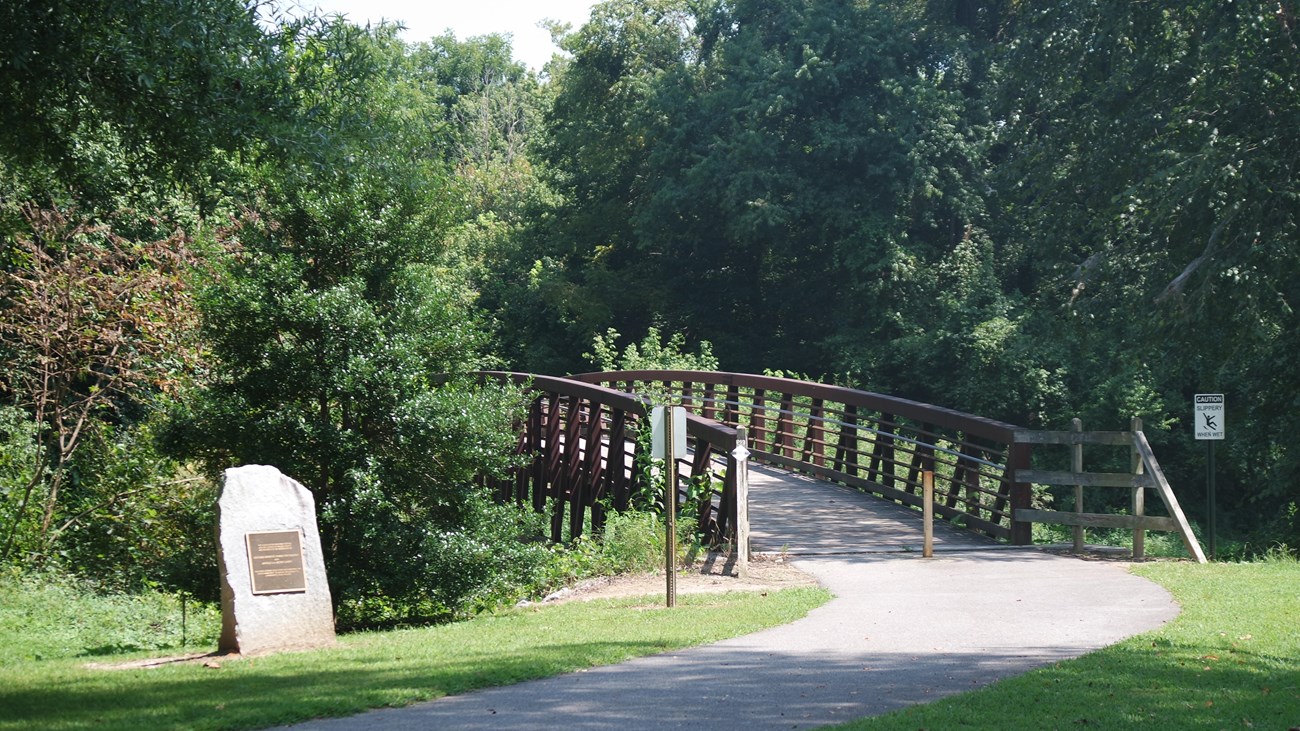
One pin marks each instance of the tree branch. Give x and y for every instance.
(1179, 283)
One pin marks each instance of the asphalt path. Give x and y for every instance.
(901, 630)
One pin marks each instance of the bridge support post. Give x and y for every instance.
(927, 513)
(1076, 466)
(1022, 531)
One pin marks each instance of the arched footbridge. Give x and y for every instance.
(580, 448)
(836, 484)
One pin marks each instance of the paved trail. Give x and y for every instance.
(901, 630)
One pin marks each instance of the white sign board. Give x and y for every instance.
(1208, 419)
(659, 430)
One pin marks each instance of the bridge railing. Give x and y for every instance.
(581, 454)
(879, 444)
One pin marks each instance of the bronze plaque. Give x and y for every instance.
(275, 562)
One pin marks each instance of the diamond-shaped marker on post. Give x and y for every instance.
(741, 453)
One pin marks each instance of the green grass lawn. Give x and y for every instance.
(1231, 660)
(368, 670)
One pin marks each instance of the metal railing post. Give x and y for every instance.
(927, 513)
(741, 454)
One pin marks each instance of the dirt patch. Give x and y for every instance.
(1113, 554)
(715, 574)
(208, 659)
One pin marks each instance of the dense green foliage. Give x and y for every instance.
(252, 241)
(288, 241)
(330, 324)
(1162, 167)
(1027, 212)
(122, 102)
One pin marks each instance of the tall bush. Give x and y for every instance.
(92, 325)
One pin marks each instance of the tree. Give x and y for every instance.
(91, 322)
(1147, 163)
(340, 349)
(779, 178)
(119, 102)
(114, 117)
(568, 277)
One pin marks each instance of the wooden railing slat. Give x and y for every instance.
(1152, 467)
(1087, 479)
(1097, 520)
(1104, 438)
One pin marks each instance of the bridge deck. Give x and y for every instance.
(803, 516)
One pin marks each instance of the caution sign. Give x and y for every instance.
(1209, 416)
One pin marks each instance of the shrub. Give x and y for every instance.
(650, 354)
(407, 573)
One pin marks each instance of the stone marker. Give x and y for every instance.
(274, 594)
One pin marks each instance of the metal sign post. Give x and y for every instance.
(670, 510)
(1212, 499)
(1208, 422)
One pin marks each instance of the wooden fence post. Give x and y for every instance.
(1139, 499)
(1022, 531)
(1076, 466)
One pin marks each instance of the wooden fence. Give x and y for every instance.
(1145, 475)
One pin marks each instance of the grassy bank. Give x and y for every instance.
(1231, 660)
(371, 670)
(54, 616)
